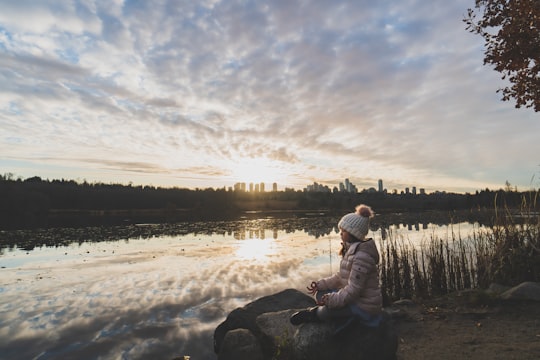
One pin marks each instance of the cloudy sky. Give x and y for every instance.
(210, 93)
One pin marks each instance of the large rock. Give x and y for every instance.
(240, 344)
(267, 319)
(276, 328)
(525, 291)
(315, 341)
(244, 317)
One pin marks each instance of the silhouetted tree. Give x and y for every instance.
(511, 31)
(35, 202)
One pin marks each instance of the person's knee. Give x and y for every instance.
(323, 313)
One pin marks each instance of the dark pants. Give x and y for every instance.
(347, 312)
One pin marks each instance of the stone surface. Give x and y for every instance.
(245, 317)
(525, 291)
(240, 344)
(276, 328)
(272, 332)
(314, 341)
(497, 289)
(358, 342)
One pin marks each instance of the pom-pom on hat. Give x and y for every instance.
(357, 223)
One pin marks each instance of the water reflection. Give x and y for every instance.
(255, 249)
(316, 226)
(156, 291)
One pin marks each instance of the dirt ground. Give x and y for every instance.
(458, 328)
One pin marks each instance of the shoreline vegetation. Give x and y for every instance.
(506, 253)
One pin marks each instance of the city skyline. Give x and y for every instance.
(345, 186)
(211, 93)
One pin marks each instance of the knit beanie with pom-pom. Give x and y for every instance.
(357, 223)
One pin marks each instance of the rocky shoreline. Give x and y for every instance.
(455, 326)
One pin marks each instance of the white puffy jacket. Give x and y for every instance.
(357, 280)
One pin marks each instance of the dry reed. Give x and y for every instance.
(507, 253)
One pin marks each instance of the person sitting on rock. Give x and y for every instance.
(354, 291)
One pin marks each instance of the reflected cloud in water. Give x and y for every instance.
(155, 297)
(160, 297)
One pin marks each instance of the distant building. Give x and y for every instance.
(347, 187)
(240, 187)
(274, 187)
(315, 187)
(381, 185)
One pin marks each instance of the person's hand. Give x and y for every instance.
(323, 301)
(312, 288)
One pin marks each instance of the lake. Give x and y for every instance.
(159, 291)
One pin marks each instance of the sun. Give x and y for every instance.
(258, 170)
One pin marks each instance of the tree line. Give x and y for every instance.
(35, 202)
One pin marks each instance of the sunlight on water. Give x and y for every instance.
(255, 249)
(160, 297)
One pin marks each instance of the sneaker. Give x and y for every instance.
(304, 316)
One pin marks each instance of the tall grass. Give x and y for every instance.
(508, 253)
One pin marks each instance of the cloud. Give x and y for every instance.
(396, 90)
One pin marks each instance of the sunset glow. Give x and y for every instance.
(208, 94)
(256, 171)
